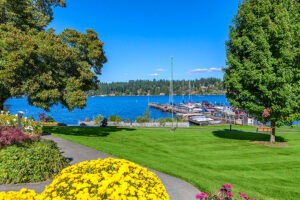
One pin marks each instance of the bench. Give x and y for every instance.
(263, 129)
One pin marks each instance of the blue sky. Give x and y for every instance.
(141, 36)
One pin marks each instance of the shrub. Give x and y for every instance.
(29, 125)
(147, 115)
(162, 121)
(98, 120)
(13, 135)
(105, 179)
(8, 120)
(168, 119)
(44, 118)
(115, 118)
(140, 119)
(145, 118)
(49, 118)
(30, 162)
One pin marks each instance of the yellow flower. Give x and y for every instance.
(23, 194)
(111, 179)
(106, 179)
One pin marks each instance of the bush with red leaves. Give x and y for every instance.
(14, 135)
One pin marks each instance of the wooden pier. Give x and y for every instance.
(162, 107)
(167, 108)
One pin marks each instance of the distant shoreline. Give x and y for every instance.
(221, 94)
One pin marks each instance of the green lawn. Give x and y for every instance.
(207, 156)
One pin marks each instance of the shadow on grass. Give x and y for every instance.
(242, 135)
(84, 131)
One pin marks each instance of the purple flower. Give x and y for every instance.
(227, 186)
(201, 195)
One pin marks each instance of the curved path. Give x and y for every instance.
(176, 188)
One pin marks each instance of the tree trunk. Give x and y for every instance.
(272, 136)
(2, 100)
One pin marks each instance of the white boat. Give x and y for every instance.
(201, 118)
(215, 122)
(197, 110)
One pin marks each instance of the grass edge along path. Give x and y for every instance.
(207, 157)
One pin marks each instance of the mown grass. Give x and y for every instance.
(207, 157)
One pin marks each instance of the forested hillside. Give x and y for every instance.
(161, 87)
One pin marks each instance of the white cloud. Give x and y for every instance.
(155, 74)
(203, 70)
(160, 70)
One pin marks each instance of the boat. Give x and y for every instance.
(197, 110)
(201, 120)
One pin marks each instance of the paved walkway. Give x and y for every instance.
(176, 188)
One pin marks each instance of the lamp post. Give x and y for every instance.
(20, 115)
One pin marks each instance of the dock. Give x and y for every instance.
(186, 114)
(216, 120)
(167, 108)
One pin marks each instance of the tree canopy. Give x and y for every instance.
(263, 58)
(48, 68)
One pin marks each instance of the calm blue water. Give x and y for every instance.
(128, 107)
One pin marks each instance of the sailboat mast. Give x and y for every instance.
(171, 90)
(189, 90)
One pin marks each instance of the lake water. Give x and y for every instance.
(128, 107)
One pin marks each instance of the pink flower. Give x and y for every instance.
(244, 196)
(227, 186)
(201, 195)
(229, 194)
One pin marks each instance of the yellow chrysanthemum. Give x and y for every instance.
(23, 194)
(106, 179)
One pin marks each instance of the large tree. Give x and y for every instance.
(48, 68)
(263, 58)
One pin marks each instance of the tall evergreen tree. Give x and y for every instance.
(263, 58)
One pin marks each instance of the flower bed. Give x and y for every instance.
(30, 126)
(103, 179)
(23, 194)
(225, 193)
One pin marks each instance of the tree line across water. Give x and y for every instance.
(160, 87)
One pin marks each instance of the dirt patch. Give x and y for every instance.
(276, 144)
